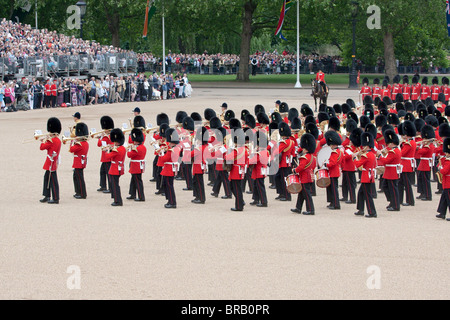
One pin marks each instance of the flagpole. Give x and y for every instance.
(164, 42)
(298, 84)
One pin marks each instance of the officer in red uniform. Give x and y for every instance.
(161, 119)
(285, 151)
(365, 89)
(305, 169)
(366, 163)
(47, 94)
(320, 77)
(385, 91)
(348, 167)
(104, 142)
(220, 150)
(186, 146)
(333, 165)
(259, 160)
(199, 164)
(425, 91)
(237, 159)
(406, 88)
(170, 169)
(445, 89)
(407, 131)
(54, 92)
(80, 148)
(391, 160)
(425, 151)
(52, 144)
(396, 87)
(376, 90)
(444, 169)
(117, 156)
(136, 154)
(160, 148)
(435, 89)
(415, 90)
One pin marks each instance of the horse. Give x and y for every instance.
(319, 93)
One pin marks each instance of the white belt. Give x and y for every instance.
(119, 164)
(175, 166)
(398, 166)
(83, 158)
(371, 172)
(430, 161)
(413, 161)
(141, 163)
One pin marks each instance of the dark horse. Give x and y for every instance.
(318, 92)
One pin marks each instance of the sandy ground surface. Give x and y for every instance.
(143, 251)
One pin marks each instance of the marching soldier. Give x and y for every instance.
(425, 151)
(435, 89)
(104, 142)
(285, 150)
(171, 165)
(365, 90)
(154, 141)
(186, 144)
(444, 169)
(52, 144)
(349, 168)
(425, 91)
(136, 153)
(406, 88)
(199, 165)
(366, 161)
(333, 165)
(376, 90)
(407, 131)
(80, 149)
(390, 159)
(259, 159)
(116, 155)
(445, 89)
(160, 149)
(221, 173)
(415, 91)
(305, 169)
(396, 88)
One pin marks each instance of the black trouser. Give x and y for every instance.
(187, 171)
(155, 167)
(247, 180)
(222, 178)
(53, 101)
(236, 188)
(199, 187)
(51, 185)
(78, 182)
(259, 191)
(444, 203)
(305, 196)
(280, 181)
(211, 172)
(390, 188)
(405, 185)
(137, 186)
(333, 193)
(349, 185)
(37, 101)
(159, 182)
(424, 184)
(417, 171)
(47, 101)
(104, 176)
(365, 196)
(115, 189)
(170, 190)
(373, 188)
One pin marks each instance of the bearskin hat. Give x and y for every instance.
(393, 119)
(337, 108)
(312, 129)
(215, 123)
(181, 115)
(382, 105)
(442, 120)
(376, 81)
(284, 108)
(107, 123)
(399, 106)
(444, 130)
(405, 79)
(435, 80)
(367, 140)
(409, 106)
(425, 80)
(396, 79)
(331, 112)
(351, 103)
(284, 129)
(354, 116)
(273, 126)
(202, 134)
(364, 121)
(196, 117)
(209, 114)
(391, 137)
(238, 136)
(365, 81)
(401, 114)
(370, 128)
(235, 124)
(422, 112)
(81, 129)
(323, 116)
(293, 113)
(437, 114)
(350, 125)
(332, 138)
(380, 121)
(370, 114)
(139, 122)
(262, 118)
(441, 97)
(429, 102)
(259, 108)
(400, 129)
(409, 128)
(368, 100)
(172, 136)
(322, 107)
(415, 80)
(308, 142)
(445, 81)
(399, 98)
(377, 101)
(229, 114)
(188, 124)
(446, 145)
(334, 123)
(276, 117)
(345, 108)
(428, 132)
(385, 83)
(447, 111)
(355, 137)
(250, 121)
(137, 136)
(117, 136)
(162, 118)
(432, 121)
(384, 112)
(388, 101)
(305, 110)
(419, 123)
(296, 124)
(309, 119)
(54, 125)
(163, 128)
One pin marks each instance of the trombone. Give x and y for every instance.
(94, 134)
(66, 139)
(37, 136)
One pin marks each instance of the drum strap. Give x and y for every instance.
(309, 163)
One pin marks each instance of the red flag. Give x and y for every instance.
(144, 34)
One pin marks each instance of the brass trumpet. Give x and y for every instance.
(95, 134)
(36, 137)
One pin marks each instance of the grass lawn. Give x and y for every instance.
(341, 78)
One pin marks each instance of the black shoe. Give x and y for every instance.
(370, 215)
(392, 209)
(359, 213)
(131, 198)
(187, 189)
(425, 199)
(158, 192)
(53, 202)
(272, 187)
(441, 216)
(215, 195)
(284, 199)
(179, 178)
(106, 191)
(438, 192)
(350, 202)
(139, 200)
(152, 180)
(249, 192)
(226, 197)
(116, 204)
(77, 196)
(380, 191)
(101, 189)
(44, 200)
(163, 194)
(254, 203)
(198, 201)
(420, 197)
(344, 200)
(296, 210)
(170, 206)
(210, 184)
(278, 198)
(234, 209)
(329, 206)
(334, 208)
(308, 213)
(405, 204)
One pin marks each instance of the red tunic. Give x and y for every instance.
(406, 91)
(117, 159)
(137, 159)
(396, 89)
(199, 159)
(435, 90)
(170, 162)
(334, 163)
(237, 159)
(376, 92)
(100, 144)
(391, 163)
(365, 91)
(53, 148)
(305, 168)
(425, 92)
(80, 151)
(444, 168)
(320, 76)
(260, 160)
(367, 163)
(415, 91)
(426, 157)
(408, 149)
(348, 164)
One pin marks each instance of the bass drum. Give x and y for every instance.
(323, 155)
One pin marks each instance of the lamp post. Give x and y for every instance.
(353, 73)
(82, 5)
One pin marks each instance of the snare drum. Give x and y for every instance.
(293, 184)
(323, 178)
(380, 170)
